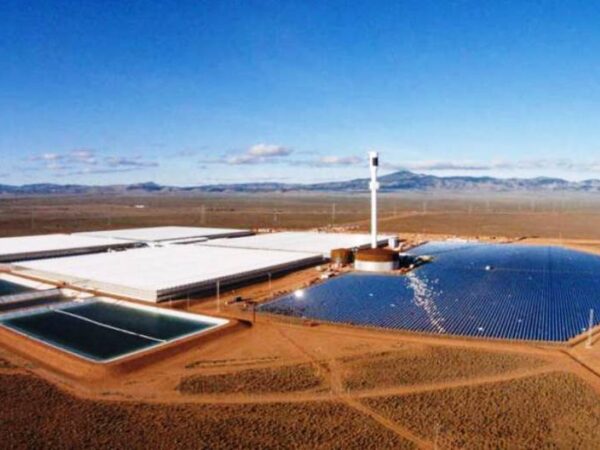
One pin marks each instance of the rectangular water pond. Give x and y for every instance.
(8, 288)
(469, 289)
(103, 331)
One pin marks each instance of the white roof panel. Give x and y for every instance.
(157, 234)
(299, 241)
(48, 245)
(153, 273)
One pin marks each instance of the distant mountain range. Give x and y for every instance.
(402, 181)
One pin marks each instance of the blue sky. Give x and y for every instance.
(196, 92)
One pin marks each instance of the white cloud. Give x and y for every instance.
(474, 166)
(268, 150)
(277, 154)
(256, 154)
(85, 156)
(327, 161)
(46, 157)
(438, 165)
(122, 161)
(86, 161)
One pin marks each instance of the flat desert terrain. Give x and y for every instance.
(528, 215)
(283, 383)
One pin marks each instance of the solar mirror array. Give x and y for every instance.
(470, 289)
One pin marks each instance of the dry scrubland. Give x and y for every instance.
(410, 366)
(64, 422)
(555, 410)
(556, 216)
(505, 400)
(4, 364)
(429, 365)
(229, 362)
(300, 377)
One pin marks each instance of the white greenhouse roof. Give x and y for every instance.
(299, 241)
(154, 274)
(158, 234)
(51, 245)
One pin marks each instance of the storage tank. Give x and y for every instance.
(376, 260)
(341, 256)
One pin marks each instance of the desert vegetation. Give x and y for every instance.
(229, 362)
(555, 410)
(299, 377)
(5, 364)
(491, 215)
(428, 365)
(67, 422)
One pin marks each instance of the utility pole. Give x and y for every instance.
(333, 215)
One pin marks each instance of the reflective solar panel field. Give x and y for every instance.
(495, 291)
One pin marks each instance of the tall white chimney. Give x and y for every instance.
(374, 186)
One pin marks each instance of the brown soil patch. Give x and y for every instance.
(5, 364)
(204, 363)
(67, 422)
(429, 364)
(484, 214)
(554, 410)
(579, 225)
(300, 377)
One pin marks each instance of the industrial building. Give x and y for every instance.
(171, 234)
(295, 241)
(166, 269)
(155, 274)
(54, 245)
